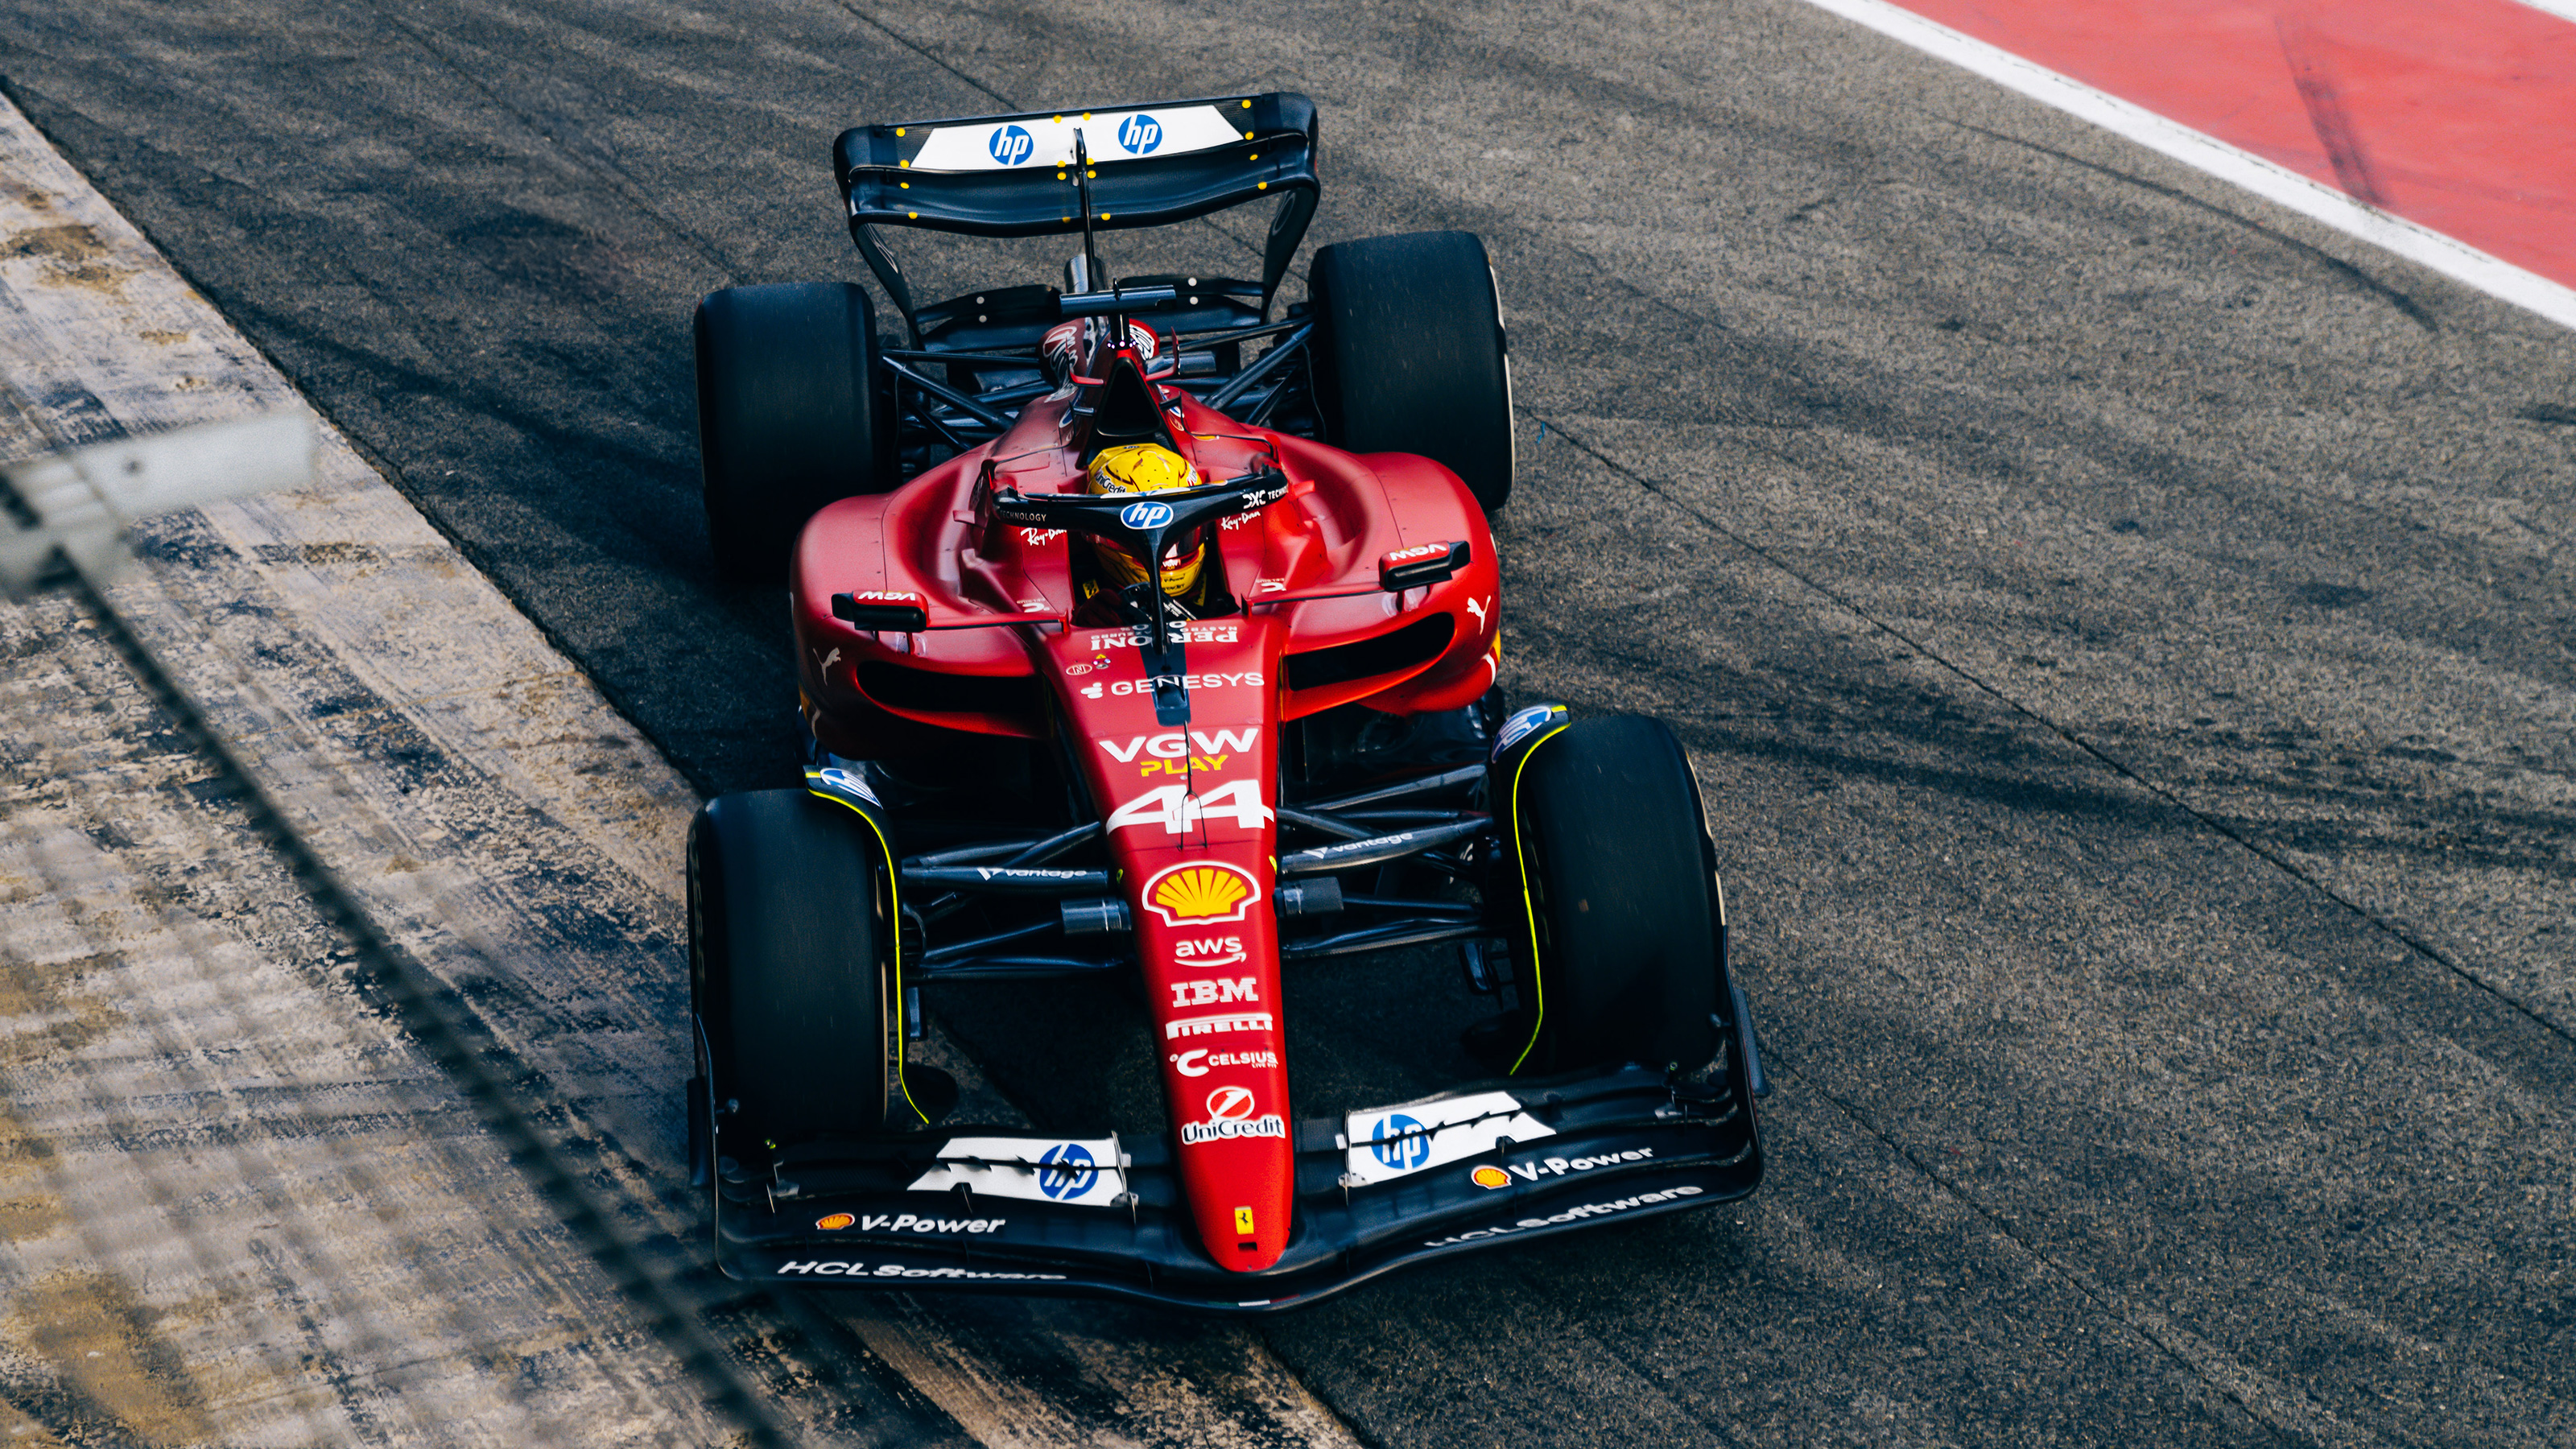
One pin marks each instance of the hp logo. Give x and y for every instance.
(1394, 1148)
(1145, 515)
(1065, 1171)
(1139, 134)
(1012, 145)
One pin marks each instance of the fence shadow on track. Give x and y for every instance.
(264, 1176)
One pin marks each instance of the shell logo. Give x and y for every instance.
(835, 1222)
(1490, 1177)
(1202, 891)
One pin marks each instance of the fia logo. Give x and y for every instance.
(1011, 145)
(1065, 1170)
(1394, 1148)
(1145, 515)
(1139, 134)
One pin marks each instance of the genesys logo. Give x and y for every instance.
(907, 1223)
(843, 1269)
(1212, 951)
(1186, 633)
(1570, 1215)
(1491, 1177)
(1200, 1061)
(1214, 1025)
(1249, 678)
(1230, 1115)
(1222, 989)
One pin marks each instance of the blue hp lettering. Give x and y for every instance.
(1394, 1148)
(1145, 515)
(1140, 134)
(1012, 145)
(1065, 1170)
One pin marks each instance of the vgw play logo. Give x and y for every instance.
(1138, 135)
(1012, 145)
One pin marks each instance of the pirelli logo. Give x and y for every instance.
(1211, 1025)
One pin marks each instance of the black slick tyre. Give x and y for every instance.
(790, 971)
(788, 416)
(1409, 354)
(1619, 929)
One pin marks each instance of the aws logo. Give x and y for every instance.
(1213, 951)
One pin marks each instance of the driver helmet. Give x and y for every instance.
(1148, 468)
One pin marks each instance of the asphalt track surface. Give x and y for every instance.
(2126, 628)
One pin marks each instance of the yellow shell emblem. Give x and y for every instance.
(1203, 891)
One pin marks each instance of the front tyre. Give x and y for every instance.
(1409, 355)
(791, 927)
(1619, 922)
(788, 416)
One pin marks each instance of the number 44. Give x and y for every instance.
(1175, 809)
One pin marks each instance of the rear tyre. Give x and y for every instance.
(789, 924)
(1620, 932)
(789, 416)
(1409, 355)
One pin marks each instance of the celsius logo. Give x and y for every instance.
(1139, 134)
(1011, 145)
(1396, 1149)
(1065, 1171)
(1145, 515)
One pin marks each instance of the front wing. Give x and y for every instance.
(1003, 1210)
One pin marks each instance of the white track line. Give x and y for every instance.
(2452, 258)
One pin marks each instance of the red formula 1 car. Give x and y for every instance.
(1127, 648)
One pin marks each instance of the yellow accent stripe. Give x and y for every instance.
(1538, 984)
(894, 898)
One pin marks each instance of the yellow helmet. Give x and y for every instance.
(1148, 468)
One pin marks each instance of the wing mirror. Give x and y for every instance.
(1424, 563)
(902, 612)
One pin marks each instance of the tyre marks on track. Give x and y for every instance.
(220, 1144)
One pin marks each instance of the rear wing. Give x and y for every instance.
(1151, 165)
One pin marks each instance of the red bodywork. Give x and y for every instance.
(1193, 832)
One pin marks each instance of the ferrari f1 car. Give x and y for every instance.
(1141, 634)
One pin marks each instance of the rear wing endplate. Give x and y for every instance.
(1012, 176)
